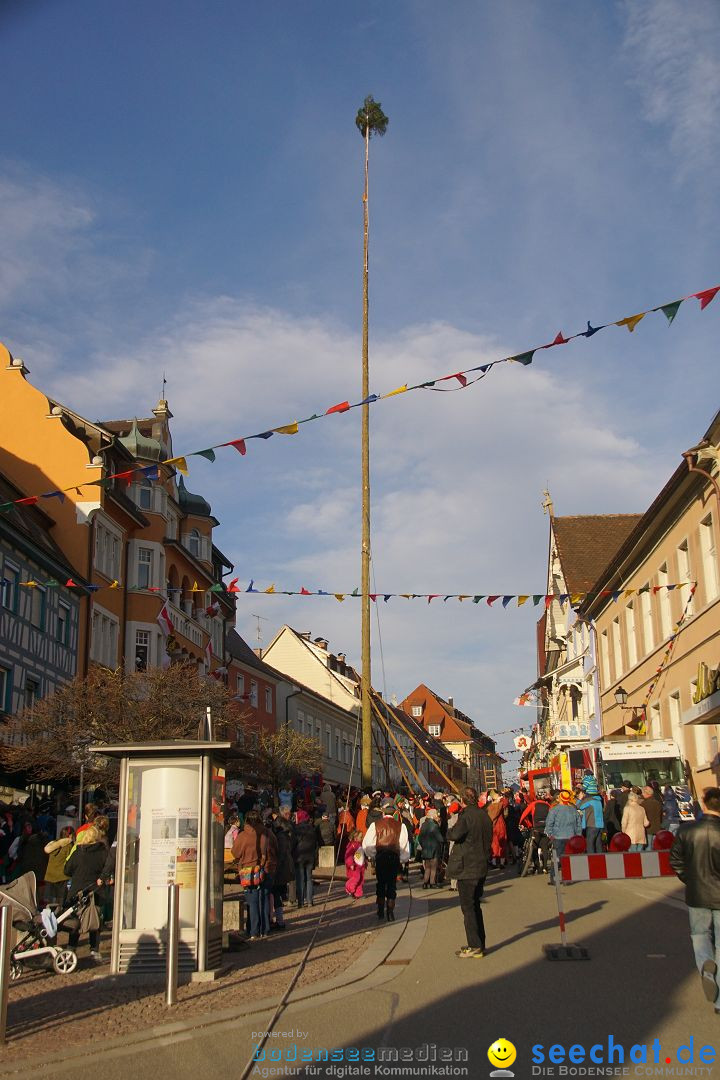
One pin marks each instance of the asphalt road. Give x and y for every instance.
(638, 985)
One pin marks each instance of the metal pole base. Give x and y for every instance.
(566, 952)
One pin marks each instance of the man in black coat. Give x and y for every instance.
(695, 858)
(468, 863)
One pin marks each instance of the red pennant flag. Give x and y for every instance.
(342, 407)
(548, 602)
(29, 501)
(239, 445)
(233, 586)
(305, 592)
(706, 296)
(559, 340)
(491, 600)
(70, 584)
(433, 596)
(656, 589)
(373, 596)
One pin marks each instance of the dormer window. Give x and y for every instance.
(194, 543)
(434, 729)
(416, 710)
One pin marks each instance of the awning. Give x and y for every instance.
(706, 711)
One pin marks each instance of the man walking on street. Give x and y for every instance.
(387, 842)
(468, 863)
(695, 858)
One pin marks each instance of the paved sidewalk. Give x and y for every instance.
(71, 1010)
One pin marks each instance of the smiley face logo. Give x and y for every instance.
(501, 1054)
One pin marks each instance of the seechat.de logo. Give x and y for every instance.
(500, 1054)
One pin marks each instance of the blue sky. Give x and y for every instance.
(180, 190)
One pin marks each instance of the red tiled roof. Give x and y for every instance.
(587, 543)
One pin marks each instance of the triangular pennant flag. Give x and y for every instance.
(631, 321)
(270, 589)
(368, 400)
(29, 501)
(577, 598)
(485, 368)
(70, 584)
(548, 601)
(405, 595)
(432, 596)
(564, 597)
(373, 597)
(233, 586)
(4, 507)
(262, 435)
(150, 472)
(180, 464)
(590, 330)
(386, 596)
(239, 445)
(537, 597)
(645, 588)
(287, 429)
(343, 406)
(706, 296)
(616, 596)
(463, 596)
(209, 454)
(54, 495)
(216, 588)
(671, 310)
(53, 584)
(399, 390)
(250, 587)
(423, 385)
(315, 416)
(506, 600)
(491, 600)
(304, 591)
(354, 592)
(340, 596)
(559, 340)
(522, 599)
(196, 587)
(477, 599)
(93, 588)
(523, 358)
(670, 587)
(459, 376)
(30, 584)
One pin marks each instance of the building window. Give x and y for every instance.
(5, 684)
(338, 755)
(347, 753)
(253, 694)
(144, 567)
(300, 717)
(9, 596)
(654, 722)
(194, 543)
(630, 631)
(664, 601)
(38, 603)
(144, 494)
(617, 648)
(240, 686)
(708, 554)
(107, 552)
(268, 700)
(416, 710)
(103, 647)
(647, 623)
(62, 624)
(32, 693)
(328, 741)
(605, 658)
(142, 650)
(684, 575)
(434, 729)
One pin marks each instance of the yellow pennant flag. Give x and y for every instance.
(271, 589)
(629, 592)
(115, 585)
(400, 390)
(464, 596)
(522, 599)
(340, 596)
(405, 595)
(577, 598)
(287, 429)
(196, 587)
(180, 464)
(631, 321)
(30, 584)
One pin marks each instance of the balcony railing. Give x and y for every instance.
(186, 625)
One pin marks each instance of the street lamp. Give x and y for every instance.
(639, 719)
(621, 696)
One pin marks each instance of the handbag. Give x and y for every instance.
(252, 876)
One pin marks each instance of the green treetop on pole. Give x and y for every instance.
(370, 118)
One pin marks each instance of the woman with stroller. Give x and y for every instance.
(55, 877)
(85, 868)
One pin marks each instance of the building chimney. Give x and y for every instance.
(321, 643)
(258, 653)
(451, 703)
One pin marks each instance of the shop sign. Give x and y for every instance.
(708, 682)
(638, 748)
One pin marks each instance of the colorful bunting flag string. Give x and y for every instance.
(670, 646)
(546, 599)
(669, 310)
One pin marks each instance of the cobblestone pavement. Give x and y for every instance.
(48, 1011)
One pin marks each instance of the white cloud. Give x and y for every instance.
(674, 48)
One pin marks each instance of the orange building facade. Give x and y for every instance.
(141, 539)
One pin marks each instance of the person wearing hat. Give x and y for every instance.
(592, 810)
(387, 842)
(562, 822)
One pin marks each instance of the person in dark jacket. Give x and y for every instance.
(285, 872)
(468, 864)
(304, 848)
(85, 868)
(431, 844)
(653, 812)
(695, 858)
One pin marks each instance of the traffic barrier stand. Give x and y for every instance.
(616, 865)
(563, 951)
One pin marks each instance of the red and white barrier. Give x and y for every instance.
(615, 865)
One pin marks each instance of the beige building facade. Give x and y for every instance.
(661, 589)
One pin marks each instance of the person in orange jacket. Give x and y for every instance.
(361, 819)
(345, 825)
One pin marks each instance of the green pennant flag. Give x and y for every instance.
(523, 358)
(354, 592)
(209, 454)
(216, 588)
(537, 598)
(671, 310)
(52, 584)
(477, 599)
(4, 507)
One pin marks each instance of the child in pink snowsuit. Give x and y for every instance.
(355, 869)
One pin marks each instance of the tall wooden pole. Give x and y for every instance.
(365, 567)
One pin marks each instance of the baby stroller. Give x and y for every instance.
(37, 929)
